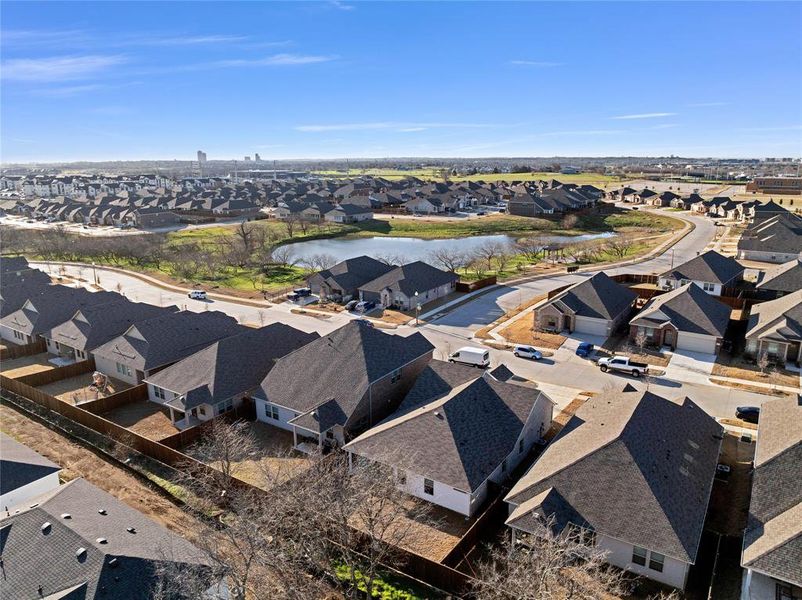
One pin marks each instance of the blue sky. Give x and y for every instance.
(118, 80)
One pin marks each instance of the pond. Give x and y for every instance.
(410, 248)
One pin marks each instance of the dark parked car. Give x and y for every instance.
(750, 414)
(584, 349)
(351, 305)
(302, 292)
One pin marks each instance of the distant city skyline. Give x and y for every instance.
(306, 80)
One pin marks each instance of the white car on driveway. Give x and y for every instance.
(527, 352)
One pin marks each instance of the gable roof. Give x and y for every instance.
(779, 319)
(598, 297)
(167, 339)
(654, 458)
(710, 267)
(689, 309)
(780, 232)
(344, 362)
(413, 277)
(773, 536)
(350, 274)
(786, 277)
(19, 465)
(114, 563)
(229, 367)
(456, 435)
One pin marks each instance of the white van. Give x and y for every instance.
(471, 356)
(197, 295)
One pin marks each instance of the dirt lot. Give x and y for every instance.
(521, 332)
(749, 388)
(76, 389)
(740, 368)
(77, 461)
(145, 418)
(276, 461)
(26, 365)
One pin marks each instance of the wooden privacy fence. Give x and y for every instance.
(12, 352)
(489, 520)
(52, 375)
(99, 406)
(472, 286)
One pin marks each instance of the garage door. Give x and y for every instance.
(591, 326)
(696, 343)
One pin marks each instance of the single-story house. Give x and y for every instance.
(149, 346)
(342, 281)
(77, 541)
(360, 375)
(216, 379)
(595, 306)
(635, 472)
(348, 213)
(423, 205)
(775, 239)
(783, 279)
(93, 326)
(775, 329)
(686, 318)
(25, 473)
(772, 544)
(410, 285)
(456, 431)
(711, 271)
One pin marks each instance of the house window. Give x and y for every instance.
(157, 391)
(80, 354)
(202, 410)
(709, 287)
(639, 556)
(396, 376)
(428, 487)
(19, 335)
(125, 370)
(785, 592)
(520, 446)
(656, 561)
(329, 435)
(271, 412)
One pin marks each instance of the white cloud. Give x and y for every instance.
(412, 129)
(656, 115)
(339, 5)
(708, 104)
(542, 64)
(274, 60)
(187, 40)
(58, 68)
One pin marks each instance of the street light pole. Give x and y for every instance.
(417, 309)
(94, 272)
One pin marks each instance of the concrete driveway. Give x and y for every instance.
(692, 367)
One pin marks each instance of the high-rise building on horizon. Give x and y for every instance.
(201, 156)
(256, 157)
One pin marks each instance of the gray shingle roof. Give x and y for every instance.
(230, 367)
(413, 277)
(350, 274)
(779, 319)
(710, 267)
(343, 364)
(15, 292)
(167, 339)
(653, 458)
(19, 465)
(773, 536)
(778, 233)
(786, 277)
(458, 435)
(34, 555)
(688, 308)
(599, 297)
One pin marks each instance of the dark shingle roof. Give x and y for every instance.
(653, 458)
(167, 339)
(599, 297)
(779, 319)
(19, 465)
(413, 277)
(352, 273)
(115, 563)
(786, 277)
(778, 233)
(344, 363)
(688, 308)
(230, 367)
(458, 437)
(710, 267)
(773, 536)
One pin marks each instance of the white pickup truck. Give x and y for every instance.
(624, 364)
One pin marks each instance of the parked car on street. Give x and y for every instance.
(197, 295)
(365, 306)
(584, 349)
(527, 352)
(623, 364)
(351, 305)
(750, 414)
(471, 356)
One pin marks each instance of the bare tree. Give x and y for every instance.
(641, 338)
(487, 253)
(284, 255)
(503, 259)
(223, 446)
(290, 223)
(245, 233)
(530, 247)
(569, 221)
(763, 362)
(620, 245)
(546, 565)
(319, 262)
(389, 258)
(449, 258)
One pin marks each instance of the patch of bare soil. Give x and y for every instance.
(739, 367)
(521, 332)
